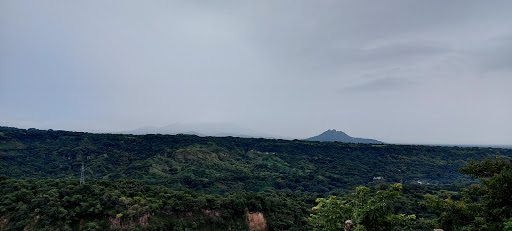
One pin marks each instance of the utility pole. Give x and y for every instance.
(82, 178)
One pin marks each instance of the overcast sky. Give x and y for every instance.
(432, 71)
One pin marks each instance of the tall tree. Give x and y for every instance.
(368, 211)
(485, 206)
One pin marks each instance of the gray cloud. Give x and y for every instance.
(432, 70)
(376, 85)
(495, 54)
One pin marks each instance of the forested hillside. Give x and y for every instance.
(100, 205)
(186, 182)
(227, 164)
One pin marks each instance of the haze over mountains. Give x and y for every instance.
(232, 163)
(203, 129)
(227, 129)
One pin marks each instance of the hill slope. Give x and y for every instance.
(227, 164)
(202, 129)
(339, 136)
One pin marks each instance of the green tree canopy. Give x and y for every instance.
(485, 206)
(368, 211)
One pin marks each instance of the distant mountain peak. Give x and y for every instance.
(333, 131)
(332, 135)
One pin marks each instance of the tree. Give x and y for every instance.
(368, 211)
(90, 226)
(496, 185)
(485, 206)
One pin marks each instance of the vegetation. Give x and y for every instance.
(369, 212)
(484, 206)
(34, 204)
(186, 182)
(228, 164)
(101, 205)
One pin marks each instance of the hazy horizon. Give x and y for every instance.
(141, 131)
(399, 71)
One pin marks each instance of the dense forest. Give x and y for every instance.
(187, 182)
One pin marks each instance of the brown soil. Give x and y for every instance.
(3, 223)
(143, 221)
(256, 221)
(115, 222)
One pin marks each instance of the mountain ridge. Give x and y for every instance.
(332, 135)
(225, 164)
(203, 129)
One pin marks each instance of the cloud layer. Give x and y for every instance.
(398, 71)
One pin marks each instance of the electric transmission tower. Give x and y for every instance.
(82, 178)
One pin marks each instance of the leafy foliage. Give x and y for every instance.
(369, 212)
(101, 205)
(228, 164)
(186, 182)
(484, 206)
